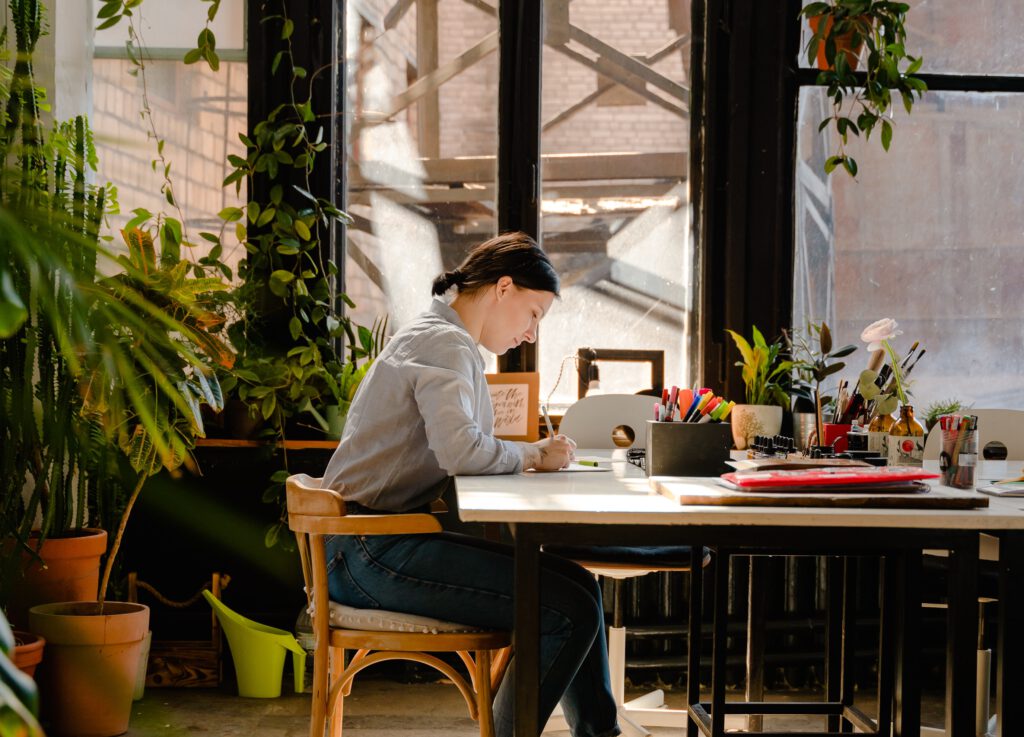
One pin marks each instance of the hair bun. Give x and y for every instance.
(447, 280)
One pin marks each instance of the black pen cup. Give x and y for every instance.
(687, 448)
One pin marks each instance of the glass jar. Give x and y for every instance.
(906, 440)
(878, 434)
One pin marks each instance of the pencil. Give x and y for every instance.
(547, 420)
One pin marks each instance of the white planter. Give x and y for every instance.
(749, 420)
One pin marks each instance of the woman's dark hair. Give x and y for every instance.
(515, 255)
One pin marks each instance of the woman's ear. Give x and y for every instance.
(503, 286)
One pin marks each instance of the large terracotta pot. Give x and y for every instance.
(88, 678)
(70, 572)
(28, 651)
(749, 420)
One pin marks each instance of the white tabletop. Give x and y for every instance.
(624, 495)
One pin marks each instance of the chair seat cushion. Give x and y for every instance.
(382, 620)
(652, 557)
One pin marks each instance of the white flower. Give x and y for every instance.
(878, 331)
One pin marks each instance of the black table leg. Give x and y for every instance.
(888, 607)
(719, 633)
(526, 631)
(693, 639)
(962, 637)
(849, 647)
(755, 637)
(833, 635)
(908, 648)
(1009, 705)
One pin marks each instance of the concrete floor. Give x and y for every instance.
(376, 708)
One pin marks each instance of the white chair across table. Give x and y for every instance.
(609, 421)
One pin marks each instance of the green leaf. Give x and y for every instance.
(12, 310)
(287, 29)
(302, 230)
(295, 328)
(850, 165)
(191, 57)
(230, 214)
(825, 339)
(886, 134)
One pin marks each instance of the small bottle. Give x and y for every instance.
(878, 434)
(906, 440)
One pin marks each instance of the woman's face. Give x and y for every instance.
(514, 316)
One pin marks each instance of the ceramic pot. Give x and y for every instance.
(88, 678)
(28, 651)
(750, 420)
(71, 572)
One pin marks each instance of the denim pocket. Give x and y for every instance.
(342, 584)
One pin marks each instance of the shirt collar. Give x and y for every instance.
(444, 311)
(441, 309)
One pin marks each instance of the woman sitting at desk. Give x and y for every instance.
(423, 414)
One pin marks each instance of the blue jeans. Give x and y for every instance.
(468, 580)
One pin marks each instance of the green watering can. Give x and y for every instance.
(258, 652)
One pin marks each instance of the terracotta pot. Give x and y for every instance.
(843, 43)
(70, 572)
(92, 659)
(749, 420)
(28, 651)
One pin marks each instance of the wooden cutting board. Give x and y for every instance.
(709, 494)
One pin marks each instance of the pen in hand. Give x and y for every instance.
(547, 420)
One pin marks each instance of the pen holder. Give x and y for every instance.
(835, 436)
(958, 458)
(687, 448)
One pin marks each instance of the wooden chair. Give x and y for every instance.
(608, 421)
(314, 512)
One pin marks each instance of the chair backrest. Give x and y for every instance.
(995, 426)
(607, 421)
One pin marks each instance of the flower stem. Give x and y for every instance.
(895, 372)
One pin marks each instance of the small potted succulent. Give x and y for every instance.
(764, 373)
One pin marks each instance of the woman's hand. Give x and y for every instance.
(550, 454)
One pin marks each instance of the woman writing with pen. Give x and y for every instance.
(422, 415)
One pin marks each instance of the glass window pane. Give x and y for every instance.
(615, 211)
(199, 113)
(930, 234)
(422, 133)
(957, 37)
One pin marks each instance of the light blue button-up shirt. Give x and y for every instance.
(421, 414)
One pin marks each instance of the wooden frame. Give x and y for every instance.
(513, 403)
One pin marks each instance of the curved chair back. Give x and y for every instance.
(995, 426)
(606, 421)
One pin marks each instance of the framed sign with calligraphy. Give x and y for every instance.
(514, 397)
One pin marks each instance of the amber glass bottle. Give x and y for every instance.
(906, 439)
(878, 434)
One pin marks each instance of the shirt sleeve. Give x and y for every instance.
(443, 387)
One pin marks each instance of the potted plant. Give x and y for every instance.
(814, 360)
(941, 407)
(842, 31)
(155, 430)
(19, 700)
(763, 372)
(95, 369)
(59, 353)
